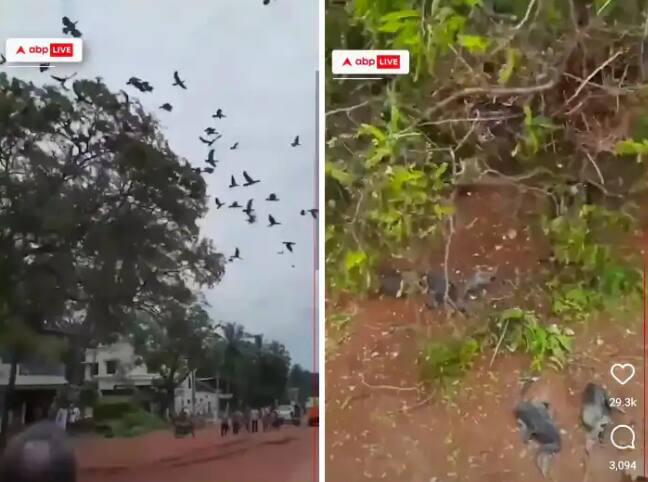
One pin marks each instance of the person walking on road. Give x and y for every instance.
(237, 419)
(247, 419)
(265, 418)
(254, 418)
(224, 425)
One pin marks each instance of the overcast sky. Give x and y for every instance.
(258, 64)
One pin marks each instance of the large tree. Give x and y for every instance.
(173, 343)
(98, 216)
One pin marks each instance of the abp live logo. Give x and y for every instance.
(370, 62)
(44, 50)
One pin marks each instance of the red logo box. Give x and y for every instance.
(61, 50)
(388, 61)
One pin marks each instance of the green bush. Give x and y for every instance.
(112, 410)
(135, 423)
(447, 361)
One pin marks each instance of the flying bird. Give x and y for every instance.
(219, 114)
(295, 143)
(210, 159)
(167, 107)
(233, 182)
(272, 197)
(272, 221)
(139, 84)
(235, 146)
(3, 59)
(218, 203)
(207, 141)
(177, 81)
(69, 27)
(251, 218)
(248, 180)
(208, 170)
(63, 80)
(210, 131)
(289, 245)
(248, 208)
(234, 205)
(43, 67)
(313, 212)
(237, 255)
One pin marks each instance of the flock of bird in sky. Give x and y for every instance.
(209, 136)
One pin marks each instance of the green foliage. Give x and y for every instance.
(589, 275)
(519, 330)
(631, 147)
(134, 423)
(445, 362)
(112, 410)
(536, 131)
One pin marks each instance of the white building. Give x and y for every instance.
(115, 367)
(197, 397)
(117, 370)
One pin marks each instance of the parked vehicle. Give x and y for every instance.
(313, 416)
(285, 413)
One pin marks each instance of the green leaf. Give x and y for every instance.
(512, 60)
(375, 132)
(473, 43)
(338, 173)
(355, 259)
(402, 14)
(630, 147)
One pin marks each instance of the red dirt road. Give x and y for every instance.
(287, 455)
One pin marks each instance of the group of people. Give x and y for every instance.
(249, 419)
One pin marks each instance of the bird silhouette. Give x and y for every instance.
(295, 143)
(208, 170)
(234, 205)
(233, 182)
(207, 141)
(69, 27)
(251, 218)
(63, 80)
(210, 159)
(210, 131)
(139, 84)
(179, 82)
(248, 208)
(313, 212)
(43, 67)
(236, 255)
(235, 146)
(272, 221)
(272, 197)
(219, 114)
(167, 107)
(248, 180)
(289, 245)
(218, 203)
(3, 59)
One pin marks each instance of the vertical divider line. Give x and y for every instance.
(315, 381)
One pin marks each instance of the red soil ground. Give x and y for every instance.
(380, 428)
(287, 455)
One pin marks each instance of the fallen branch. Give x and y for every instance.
(386, 387)
(592, 75)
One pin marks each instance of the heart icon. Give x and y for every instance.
(622, 372)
